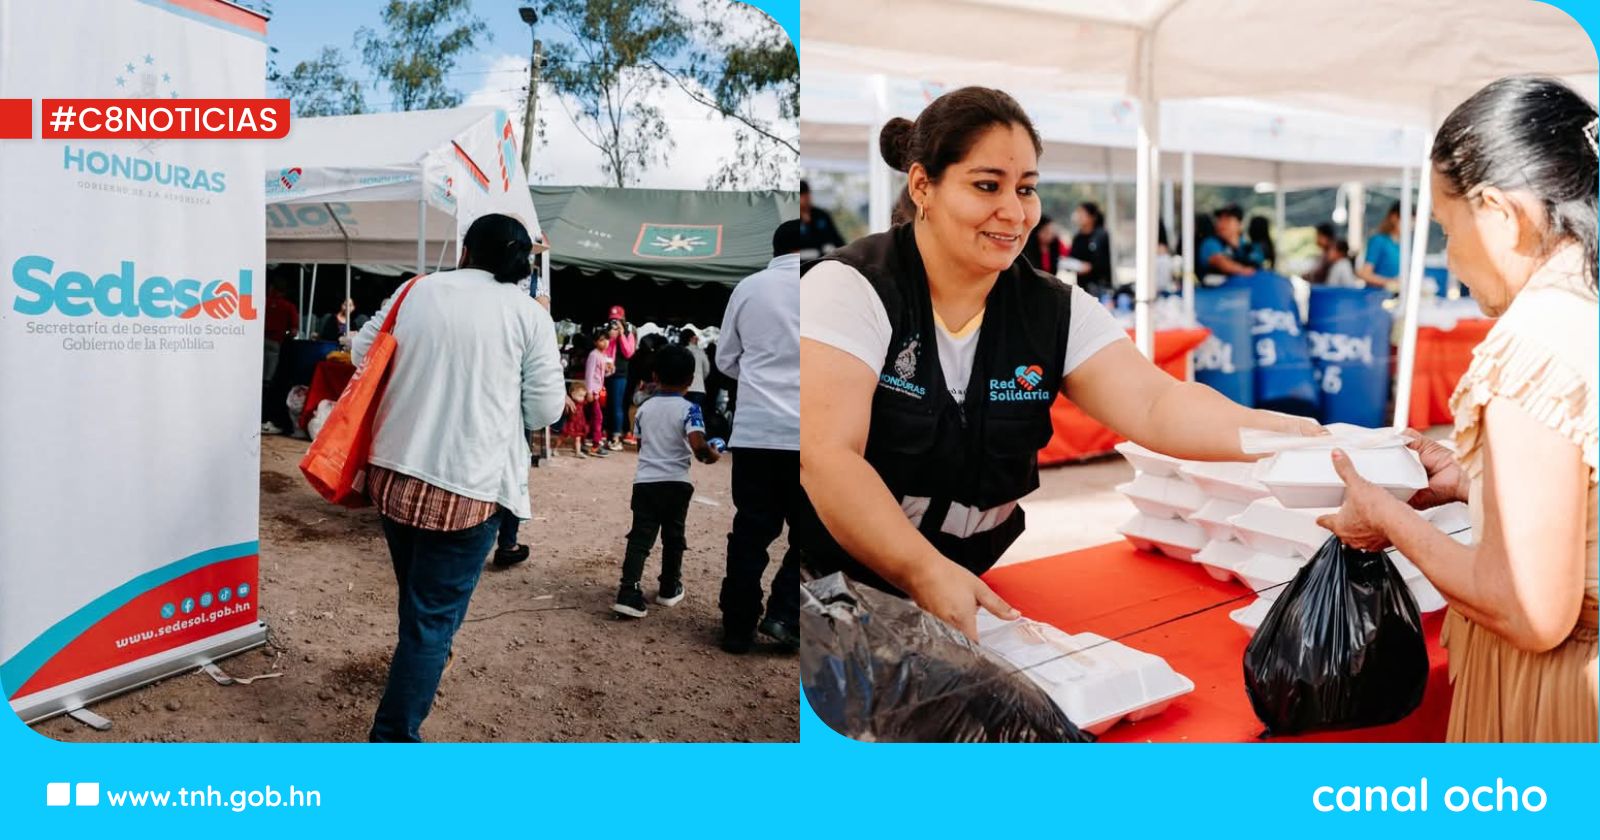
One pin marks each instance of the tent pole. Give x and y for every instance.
(1356, 229)
(1405, 229)
(422, 236)
(544, 275)
(1413, 287)
(311, 301)
(346, 234)
(1168, 211)
(1148, 181)
(300, 295)
(1188, 234)
(879, 180)
(1111, 213)
(1279, 209)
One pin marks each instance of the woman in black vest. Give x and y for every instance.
(920, 431)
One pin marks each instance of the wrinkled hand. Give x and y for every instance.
(953, 595)
(1356, 523)
(1447, 482)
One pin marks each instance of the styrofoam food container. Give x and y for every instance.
(1422, 590)
(1268, 572)
(1162, 497)
(1149, 461)
(1213, 516)
(1228, 480)
(1261, 572)
(1172, 537)
(1451, 518)
(1269, 527)
(1305, 478)
(1221, 558)
(1096, 682)
(1251, 615)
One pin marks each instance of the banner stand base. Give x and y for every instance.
(46, 704)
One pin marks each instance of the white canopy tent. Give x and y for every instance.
(392, 188)
(1409, 61)
(1092, 137)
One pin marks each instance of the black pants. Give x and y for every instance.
(509, 523)
(657, 506)
(766, 488)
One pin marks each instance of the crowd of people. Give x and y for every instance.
(483, 370)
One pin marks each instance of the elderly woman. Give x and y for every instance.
(1514, 189)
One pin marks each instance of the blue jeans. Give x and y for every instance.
(436, 572)
(616, 405)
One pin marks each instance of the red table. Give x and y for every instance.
(1176, 611)
(1442, 357)
(1078, 436)
(327, 383)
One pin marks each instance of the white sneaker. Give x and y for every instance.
(270, 428)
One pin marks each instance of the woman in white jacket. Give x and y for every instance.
(475, 365)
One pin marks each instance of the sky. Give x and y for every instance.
(496, 74)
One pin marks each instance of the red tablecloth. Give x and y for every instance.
(1176, 611)
(1442, 357)
(1078, 436)
(327, 383)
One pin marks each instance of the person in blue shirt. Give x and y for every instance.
(1225, 252)
(1380, 266)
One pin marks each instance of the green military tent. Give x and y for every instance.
(607, 242)
(687, 235)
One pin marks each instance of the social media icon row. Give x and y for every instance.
(187, 605)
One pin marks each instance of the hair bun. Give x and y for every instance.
(894, 143)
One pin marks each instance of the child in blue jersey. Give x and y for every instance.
(671, 432)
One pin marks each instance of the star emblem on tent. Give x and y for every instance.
(679, 242)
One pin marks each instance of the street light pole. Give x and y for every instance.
(536, 60)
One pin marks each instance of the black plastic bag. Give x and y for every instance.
(878, 668)
(1341, 648)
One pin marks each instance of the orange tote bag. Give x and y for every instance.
(336, 463)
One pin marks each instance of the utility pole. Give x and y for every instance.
(535, 64)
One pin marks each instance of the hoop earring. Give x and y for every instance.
(922, 212)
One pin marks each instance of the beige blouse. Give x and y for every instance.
(1542, 356)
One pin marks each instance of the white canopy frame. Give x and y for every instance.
(346, 189)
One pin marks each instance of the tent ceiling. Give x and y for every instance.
(1410, 60)
(350, 187)
(686, 235)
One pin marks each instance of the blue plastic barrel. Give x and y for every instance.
(1349, 332)
(1226, 361)
(1284, 380)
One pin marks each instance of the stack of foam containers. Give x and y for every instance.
(1256, 523)
(1165, 501)
(1302, 486)
(1187, 511)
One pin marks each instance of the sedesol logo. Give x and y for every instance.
(123, 294)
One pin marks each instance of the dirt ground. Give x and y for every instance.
(542, 658)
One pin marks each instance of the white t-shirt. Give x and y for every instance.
(760, 346)
(702, 366)
(1342, 275)
(665, 421)
(839, 308)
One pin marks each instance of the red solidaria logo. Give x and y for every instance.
(1029, 377)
